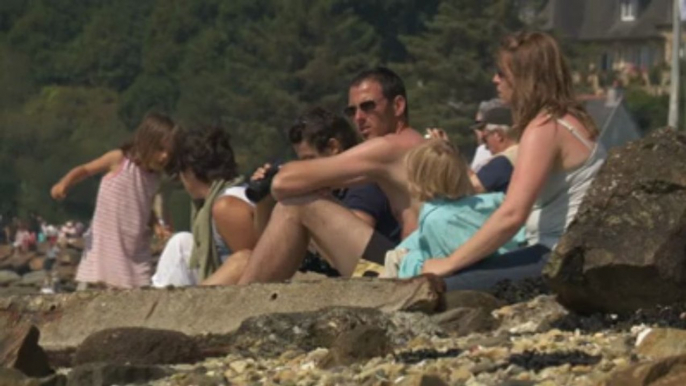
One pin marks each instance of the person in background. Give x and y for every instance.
(482, 154)
(559, 156)
(222, 216)
(377, 105)
(316, 134)
(501, 141)
(49, 284)
(22, 238)
(450, 212)
(117, 253)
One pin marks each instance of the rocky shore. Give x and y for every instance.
(614, 314)
(478, 339)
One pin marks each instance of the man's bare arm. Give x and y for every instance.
(363, 163)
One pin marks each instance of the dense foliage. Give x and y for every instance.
(76, 76)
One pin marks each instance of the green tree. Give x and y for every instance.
(53, 132)
(108, 51)
(256, 78)
(649, 111)
(451, 65)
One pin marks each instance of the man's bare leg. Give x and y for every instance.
(338, 233)
(232, 269)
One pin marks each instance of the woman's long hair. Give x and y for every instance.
(540, 79)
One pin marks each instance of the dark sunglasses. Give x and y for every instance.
(366, 107)
(499, 71)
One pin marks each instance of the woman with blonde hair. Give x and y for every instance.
(559, 156)
(450, 214)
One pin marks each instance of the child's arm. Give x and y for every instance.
(105, 163)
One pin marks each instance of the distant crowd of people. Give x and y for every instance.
(365, 187)
(24, 235)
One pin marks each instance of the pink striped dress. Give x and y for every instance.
(118, 252)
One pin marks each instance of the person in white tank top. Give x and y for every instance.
(558, 158)
(207, 169)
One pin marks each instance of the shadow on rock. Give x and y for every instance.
(138, 345)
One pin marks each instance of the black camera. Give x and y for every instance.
(259, 189)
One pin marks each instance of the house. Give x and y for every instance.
(629, 36)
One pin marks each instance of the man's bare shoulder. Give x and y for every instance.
(393, 144)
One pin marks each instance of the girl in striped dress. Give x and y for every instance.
(118, 252)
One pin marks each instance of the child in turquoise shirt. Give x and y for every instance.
(450, 213)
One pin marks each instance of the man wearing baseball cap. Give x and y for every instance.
(500, 140)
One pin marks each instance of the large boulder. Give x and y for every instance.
(626, 248)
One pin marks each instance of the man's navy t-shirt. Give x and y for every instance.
(495, 175)
(369, 198)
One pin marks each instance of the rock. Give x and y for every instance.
(409, 325)
(472, 299)
(536, 315)
(361, 343)
(8, 277)
(66, 320)
(460, 375)
(272, 335)
(15, 290)
(12, 377)
(36, 263)
(422, 380)
(464, 321)
(520, 291)
(106, 374)
(33, 279)
(19, 350)
(626, 248)
(467, 312)
(663, 342)
(197, 379)
(142, 346)
(77, 244)
(5, 251)
(664, 372)
(19, 262)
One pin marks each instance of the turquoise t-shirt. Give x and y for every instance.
(444, 225)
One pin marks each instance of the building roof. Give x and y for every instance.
(600, 19)
(600, 111)
(616, 124)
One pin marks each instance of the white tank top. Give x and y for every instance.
(223, 250)
(562, 194)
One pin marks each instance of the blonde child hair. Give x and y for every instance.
(435, 170)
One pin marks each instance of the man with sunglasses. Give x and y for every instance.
(482, 154)
(377, 105)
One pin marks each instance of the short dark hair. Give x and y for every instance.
(207, 152)
(391, 84)
(318, 125)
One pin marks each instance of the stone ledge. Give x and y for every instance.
(65, 320)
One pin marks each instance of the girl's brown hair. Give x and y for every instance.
(540, 79)
(435, 169)
(156, 132)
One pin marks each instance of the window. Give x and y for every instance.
(628, 9)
